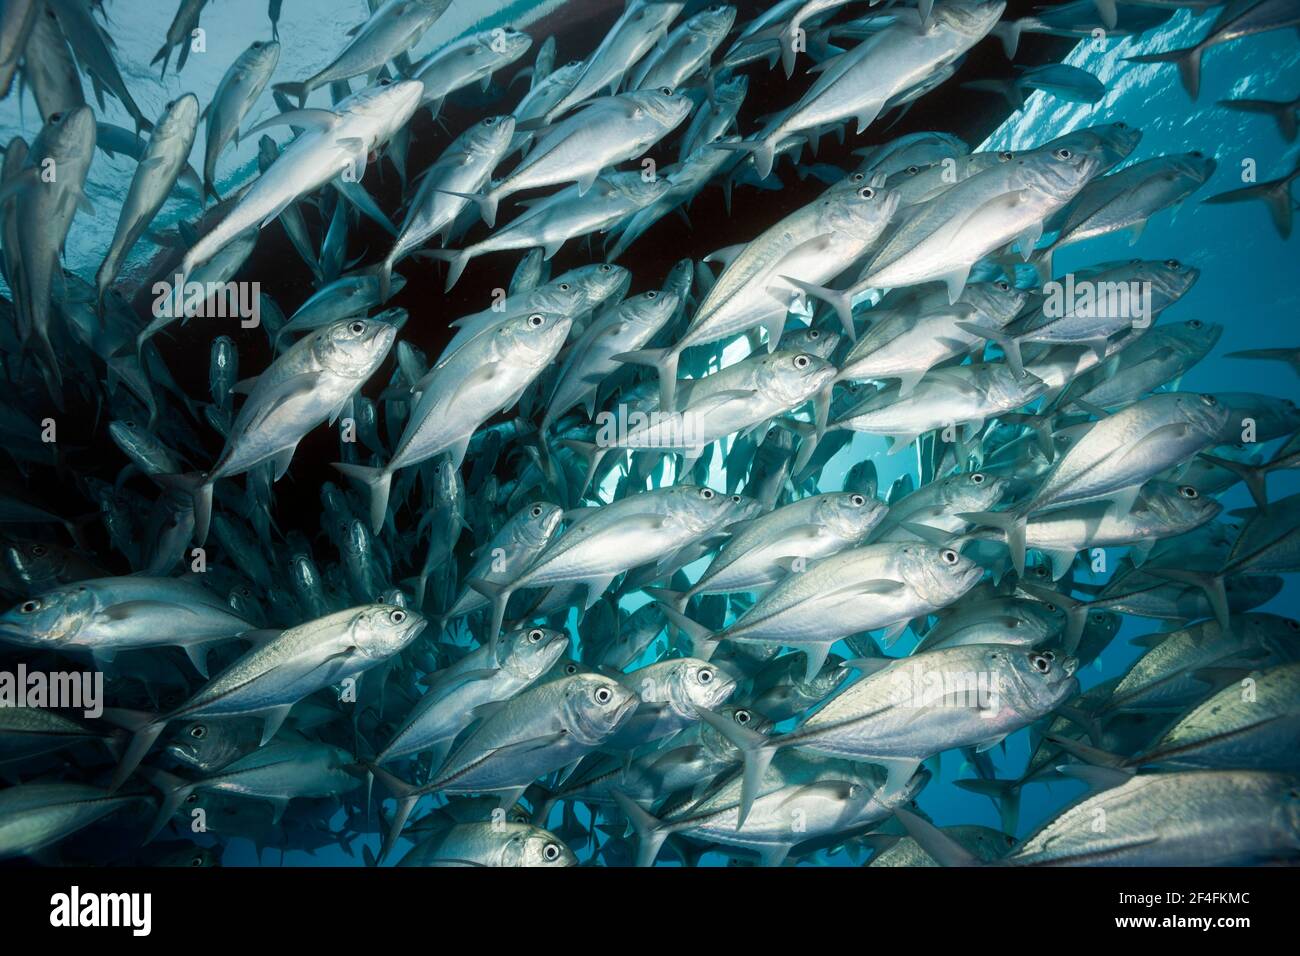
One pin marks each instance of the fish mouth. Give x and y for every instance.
(624, 712)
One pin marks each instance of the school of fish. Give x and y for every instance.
(528, 630)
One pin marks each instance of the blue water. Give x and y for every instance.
(1250, 284)
(1248, 274)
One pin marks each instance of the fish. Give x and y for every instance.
(236, 94)
(394, 27)
(642, 467)
(307, 385)
(161, 164)
(269, 679)
(1146, 828)
(1234, 22)
(482, 379)
(333, 141)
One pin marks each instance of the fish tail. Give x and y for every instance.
(378, 482)
(1005, 795)
(174, 793)
(650, 831)
(589, 452)
(499, 595)
(456, 260)
(300, 90)
(1254, 476)
(145, 729)
(1012, 525)
(1275, 195)
(678, 599)
(1076, 612)
(1212, 584)
(1187, 60)
(841, 302)
(944, 849)
(703, 641)
(1284, 114)
(486, 200)
(1009, 344)
(385, 272)
(1008, 32)
(763, 151)
(665, 361)
(198, 485)
(407, 797)
(758, 752)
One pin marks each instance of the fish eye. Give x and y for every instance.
(55, 117)
(192, 798)
(735, 499)
(666, 90)
(1006, 157)
(1062, 154)
(570, 669)
(913, 170)
(866, 192)
(550, 852)
(1002, 285)
(536, 320)
(706, 493)
(38, 550)
(977, 478)
(802, 361)
(573, 63)
(535, 635)
(652, 295)
(356, 328)
(605, 267)
(1050, 655)
(1173, 264)
(257, 44)
(706, 676)
(397, 616)
(1197, 154)
(742, 717)
(1040, 663)
(198, 731)
(490, 121)
(537, 511)
(196, 861)
(565, 287)
(857, 501)
(1210, 400)
(1187, 491)
(603, 695)
(1195, 324)
(949, 556)
(857, 177)
(30, 607)
(814, 334)
(1051, 608)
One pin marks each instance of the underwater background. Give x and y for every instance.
(1249, 283)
